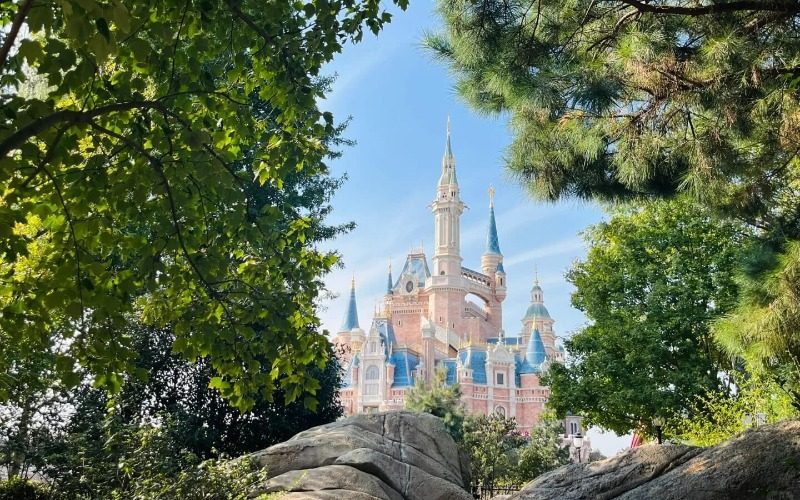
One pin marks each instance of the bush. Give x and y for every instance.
(23, 489)
(718, 416)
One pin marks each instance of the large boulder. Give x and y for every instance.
(388, 456)
(761, 463)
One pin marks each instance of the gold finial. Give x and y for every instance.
(449, 126)
(491, 196)
(353, 281)
(390, 264)
(536, 274)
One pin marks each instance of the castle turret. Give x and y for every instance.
(501, 288)
(492, 266)
(491, 256)
(535, 353)
(350, 321)
(351, 333)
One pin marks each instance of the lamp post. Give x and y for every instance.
(658, 423)
(577, 443)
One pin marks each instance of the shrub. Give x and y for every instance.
(23, 489)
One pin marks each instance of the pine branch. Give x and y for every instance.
(715, 8)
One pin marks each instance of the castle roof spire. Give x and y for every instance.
(448, 161)
(535, 354)
(492, 242)
(351, 314)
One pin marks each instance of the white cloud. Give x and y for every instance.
(564, 247)
(350, 73)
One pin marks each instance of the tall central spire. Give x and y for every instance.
(448, 161)
(448, 149)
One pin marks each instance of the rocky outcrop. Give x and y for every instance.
(761, 463)
(387, 456)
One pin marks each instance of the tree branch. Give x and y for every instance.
(19, 20)
(715, 8)
(71, 225)
(70, 117)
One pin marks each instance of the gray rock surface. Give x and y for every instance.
(386, 456)
(761, 463)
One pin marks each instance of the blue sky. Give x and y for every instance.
(399, 99)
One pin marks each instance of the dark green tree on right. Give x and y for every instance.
(636, 99)
(653, 282)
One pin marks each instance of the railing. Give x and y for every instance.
(484, 493)
(476, 276)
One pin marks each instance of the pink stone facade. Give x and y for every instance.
(450, 316)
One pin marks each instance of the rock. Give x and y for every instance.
(330, 478)
(387, 456)
(761, 463)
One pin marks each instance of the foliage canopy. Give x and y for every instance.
(131, 182)
(627, 97)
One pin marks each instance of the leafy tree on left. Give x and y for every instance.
(123, 188)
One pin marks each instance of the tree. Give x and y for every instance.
(124, 190)
(202, 421)
(543, 451)
(629, 98)
(161, 429)
(492, 442)
(639, 99)
(440, 399)
(763, 329)
(32, 413)
(653, 282)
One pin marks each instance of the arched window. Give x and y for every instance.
(573, 428)
(372, 373)
(500, 411)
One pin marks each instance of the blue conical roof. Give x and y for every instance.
(535, 355)
(351, 314)
(492, 242)
(389, 281)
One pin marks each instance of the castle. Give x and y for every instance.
(431, 319)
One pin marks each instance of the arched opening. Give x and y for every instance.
(477, 304)
(499, 410)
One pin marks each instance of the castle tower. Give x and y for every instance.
(446, 285)
(537, 317)
(447, 210)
